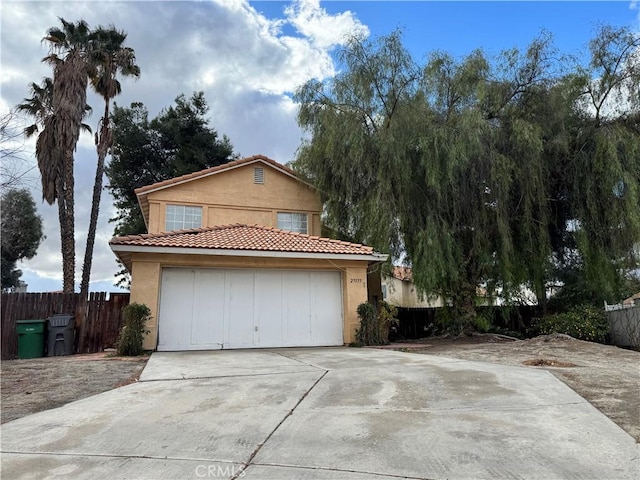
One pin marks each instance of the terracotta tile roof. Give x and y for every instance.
(212, 170)
(632, 299)
(244, 237)
(402, 273)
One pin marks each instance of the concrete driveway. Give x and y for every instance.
(323, 413)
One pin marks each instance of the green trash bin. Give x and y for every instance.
(30, 338)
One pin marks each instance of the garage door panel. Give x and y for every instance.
(249, 308)
(176, 307)
(268, 310)
(207, 325)
(239, 319)
(296, 307)
(326, 306)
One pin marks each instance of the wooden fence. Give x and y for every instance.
(97, 319)
(420, 322)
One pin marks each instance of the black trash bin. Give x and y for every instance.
(61, 335)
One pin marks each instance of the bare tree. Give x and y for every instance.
(14, 165)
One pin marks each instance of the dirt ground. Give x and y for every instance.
(608, 377)
(32, 385)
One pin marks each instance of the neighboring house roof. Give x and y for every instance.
(402, 273)
(632, 299)
(243, 240)
(142, 192)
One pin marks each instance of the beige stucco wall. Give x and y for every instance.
(145, 277)
(354, 285)
(232, 197)
(403, 293)
(147, 274)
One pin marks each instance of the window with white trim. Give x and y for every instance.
(182, 217)
(293, 222)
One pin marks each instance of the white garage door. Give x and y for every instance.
(203, 309)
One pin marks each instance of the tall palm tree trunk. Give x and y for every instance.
(68, 228)
(59, 187)
(103, 147)
(109, 57)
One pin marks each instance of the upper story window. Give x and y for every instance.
(294, 222)
(181, 217)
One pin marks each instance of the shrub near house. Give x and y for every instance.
(136, 316)
(375, 325)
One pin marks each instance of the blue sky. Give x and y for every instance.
(459, 27)
(248, 58)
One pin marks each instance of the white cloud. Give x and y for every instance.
(635, 5)
(324, 30)
(244, 62)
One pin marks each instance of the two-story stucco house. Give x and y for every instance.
(233, 258)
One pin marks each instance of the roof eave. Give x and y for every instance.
(120, 249)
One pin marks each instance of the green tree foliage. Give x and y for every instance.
(178, 141)
(606, 165)
(21, 233)
(480, 171)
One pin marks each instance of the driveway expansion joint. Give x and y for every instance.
(301, 361)
(341, 470)
(289, 413)
(117, 455)
(474, 408)
(239, 375)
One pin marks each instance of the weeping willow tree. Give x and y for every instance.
(466, 168)
(604, 175)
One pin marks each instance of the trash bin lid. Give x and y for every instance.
(60, 320)
(30, 326)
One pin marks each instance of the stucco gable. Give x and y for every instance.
(179, 183)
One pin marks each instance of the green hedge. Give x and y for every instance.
(584, 322)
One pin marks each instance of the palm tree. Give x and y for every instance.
(110, 58)
(57, 142)
(40, 107)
